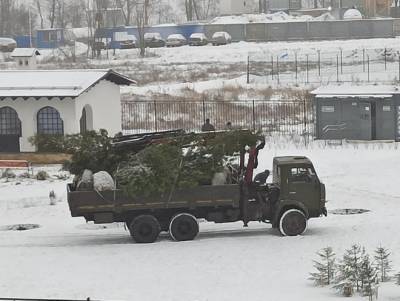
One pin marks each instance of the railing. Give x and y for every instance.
(285, 117)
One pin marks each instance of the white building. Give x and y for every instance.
(57, 102)
(25, 57)
(236, 7)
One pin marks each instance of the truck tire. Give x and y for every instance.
(293, 222)
(145, 229)
(183, 227)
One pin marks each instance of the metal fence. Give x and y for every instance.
(274, 31)
(281, 117)
(315, 66)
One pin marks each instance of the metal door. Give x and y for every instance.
(385, 116)
(304, 186)
(365, 121)
(329, 119)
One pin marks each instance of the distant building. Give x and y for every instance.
(53, 37)
(25, 57)
(57, 102)
(237, 7)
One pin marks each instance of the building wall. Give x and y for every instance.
(27, 112)
(22, 65)
(104, 102)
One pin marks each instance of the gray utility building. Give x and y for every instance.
(357, 112)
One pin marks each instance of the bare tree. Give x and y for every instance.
(5, 22)
(189, 9)
(51, 12)
(39, 9)
(60, 14)
(200, 9)
(140, 23)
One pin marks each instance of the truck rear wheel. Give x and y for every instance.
(292, 222)
(145, 229)
(183, 226)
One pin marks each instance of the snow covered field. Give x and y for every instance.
(68, 258)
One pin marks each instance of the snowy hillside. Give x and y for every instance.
(67, 258)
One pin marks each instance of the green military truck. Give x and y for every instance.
(295, 195)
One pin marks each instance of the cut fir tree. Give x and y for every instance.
(185, 162)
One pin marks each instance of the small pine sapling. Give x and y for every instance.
(397, 278)
(382, 263)
(349, 269)
(325, 267)
(369, 276)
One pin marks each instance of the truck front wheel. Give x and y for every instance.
(183, 226)
(292, 222)
(145, 229)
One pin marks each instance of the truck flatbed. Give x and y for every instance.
(116, 202)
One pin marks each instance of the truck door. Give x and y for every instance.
(304, 186)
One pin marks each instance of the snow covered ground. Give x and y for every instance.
(172, 71)
(68, 258)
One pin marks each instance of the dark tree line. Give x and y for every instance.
(15, 18)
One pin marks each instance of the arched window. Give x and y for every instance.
(9, 122)
(49, 122)
(86, 121)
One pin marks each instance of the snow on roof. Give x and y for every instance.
(165, 25)
(268, 18)
(7, 41)
(352, 14)
(381, 91)
(198, 35)
(54, 83)
(176, 36)
(25, 52)
(221, 34)
(151, 35)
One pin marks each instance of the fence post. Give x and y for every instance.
(319, 63)
(364, 60)
(307, 69)
(341, 60)
(337, 68)
(155, 116)
(277, 68)
(368, 67)
(254, 116)
(248, 69)
(204, 111)
(272, 67)
(305, 121)
(385, 59)
(295, 64)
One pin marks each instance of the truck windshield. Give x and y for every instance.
(301, 174)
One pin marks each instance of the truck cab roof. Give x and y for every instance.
(292, 160)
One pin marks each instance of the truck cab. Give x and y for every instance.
(299, 188)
